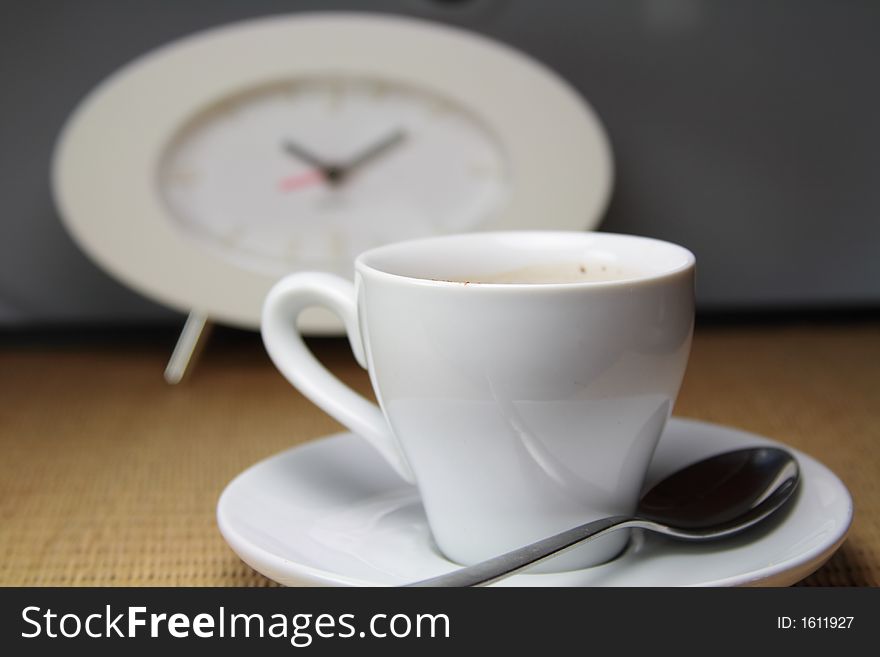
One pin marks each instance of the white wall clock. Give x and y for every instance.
(203, 171)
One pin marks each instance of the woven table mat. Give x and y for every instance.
(111, 477)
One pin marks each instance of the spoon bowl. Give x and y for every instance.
(711, 499)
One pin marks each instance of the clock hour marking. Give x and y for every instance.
(233, 236)
(182, 177)
(438, 108)
(334, 96)
(337, 244)
(481, 169)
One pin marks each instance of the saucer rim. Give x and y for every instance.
(780, 574)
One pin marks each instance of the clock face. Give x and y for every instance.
(309, 173)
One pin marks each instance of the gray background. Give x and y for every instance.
(747, 130)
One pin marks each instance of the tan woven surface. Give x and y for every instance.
(110, 477)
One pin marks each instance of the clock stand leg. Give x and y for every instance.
(190, 343)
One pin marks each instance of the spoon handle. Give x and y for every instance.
(507, 564)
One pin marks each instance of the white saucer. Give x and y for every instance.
(331, 512)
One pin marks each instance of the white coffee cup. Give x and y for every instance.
(519, 408)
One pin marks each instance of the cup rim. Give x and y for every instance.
(362, 265)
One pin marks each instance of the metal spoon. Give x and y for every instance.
(714, 498)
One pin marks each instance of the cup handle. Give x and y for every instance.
(285, 301)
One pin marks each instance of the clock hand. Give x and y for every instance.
(332, 173)
(299, 180)
(306, 156)
(372, 152)
(335, 174)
